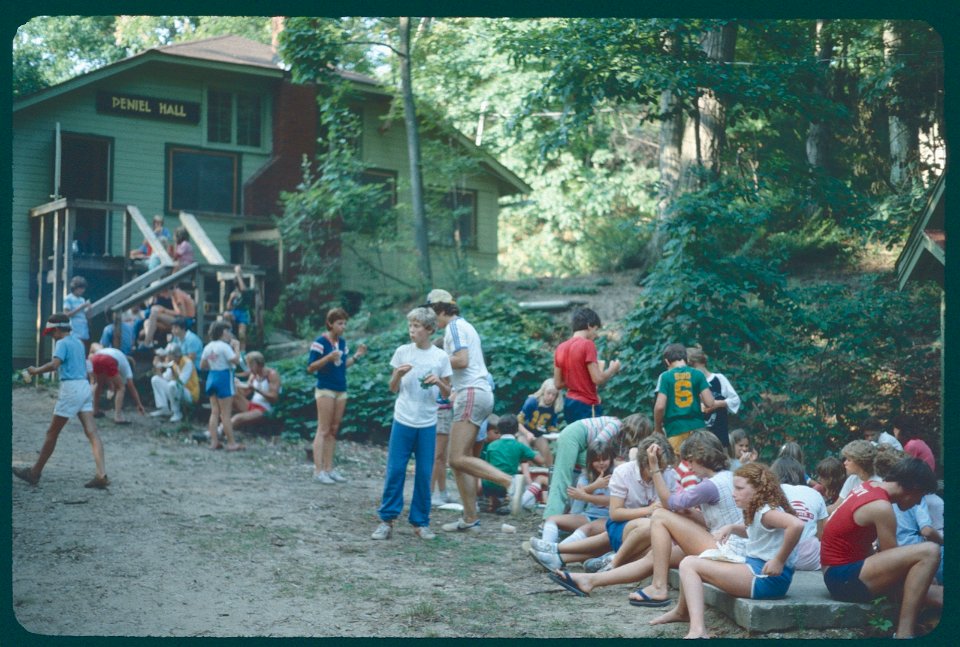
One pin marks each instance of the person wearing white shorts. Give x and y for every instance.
(75, 398)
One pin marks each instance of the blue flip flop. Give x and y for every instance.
(647, 601)
(567, 582)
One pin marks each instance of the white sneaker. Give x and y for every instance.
(438, 499)
(550, 561)
(383, 531)
(460, 525)
(177, 417)
(543, 546)
(336, 476)
(516, 493)
(324, 477)
(424, 532)
(159, 412)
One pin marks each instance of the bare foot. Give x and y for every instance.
(699, 635)
(652, 593)
(236, 447)
(673, 615)
(582, 580)
(216, 446)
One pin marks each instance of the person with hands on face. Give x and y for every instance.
(740, 451)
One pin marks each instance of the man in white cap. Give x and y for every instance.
(472, 403)
(75, 398)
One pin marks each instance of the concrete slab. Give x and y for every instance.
(807, 606)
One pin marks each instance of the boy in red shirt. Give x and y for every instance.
(577, 369)
(854, 573)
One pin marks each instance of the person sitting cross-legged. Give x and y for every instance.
(255, 398)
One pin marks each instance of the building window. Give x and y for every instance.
(248, 120)
(452, 218)
(202, 181)
(219, 117)
(234, 118)
(380, 218)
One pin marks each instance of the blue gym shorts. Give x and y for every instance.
(844, 583)
(220, 383)
(766, 587)
(615, 531)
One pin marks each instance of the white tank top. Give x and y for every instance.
(261, 384)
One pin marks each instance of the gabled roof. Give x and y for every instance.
(923, 257)
(223, 53)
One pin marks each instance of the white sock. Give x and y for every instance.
(550, 532)
(576, 535)
(527, 498)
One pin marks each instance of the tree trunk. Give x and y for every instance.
(705, 130)
(818, 132)
(421, 244)
(904, 137)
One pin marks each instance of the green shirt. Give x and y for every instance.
(682, 386)
(506, 454)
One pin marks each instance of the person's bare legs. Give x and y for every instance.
(245, 418)
(150, 327)
(49, 444)
(636, 540)
(625, 574)
(226, 405)
(439, 476)
(911, 567)
(735, 579)
(460, 445)
(212, 421)
(577, 551)
(542, 446)
(117, 384)
(329, 414)
(96, 446)
(667, 527)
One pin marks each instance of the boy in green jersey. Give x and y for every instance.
(680, 391)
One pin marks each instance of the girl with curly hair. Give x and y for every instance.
(772, 531)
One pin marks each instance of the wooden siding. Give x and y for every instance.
(138, 162)
(384, 145)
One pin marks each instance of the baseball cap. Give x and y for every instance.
(439, 296)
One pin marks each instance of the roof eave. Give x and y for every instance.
(135, 61)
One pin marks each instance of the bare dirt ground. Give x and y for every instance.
(193, 542)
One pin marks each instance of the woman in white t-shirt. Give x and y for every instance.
(421, 371)
(772, 531)
(810, 508)
(219, 357)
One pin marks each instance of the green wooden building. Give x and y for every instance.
(214, 129)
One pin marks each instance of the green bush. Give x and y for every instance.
(516, 347)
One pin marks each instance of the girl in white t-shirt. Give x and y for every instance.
(219, 357)
(421, 371)
(772, 531)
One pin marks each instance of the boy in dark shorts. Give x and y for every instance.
(852, 571)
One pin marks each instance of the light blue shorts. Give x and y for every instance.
(220, 383)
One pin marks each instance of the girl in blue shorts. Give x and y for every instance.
(772, 530)
(219, 358)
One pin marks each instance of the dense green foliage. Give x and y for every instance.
(517, 347)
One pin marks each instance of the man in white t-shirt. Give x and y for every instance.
(472, 403)
(111, 368)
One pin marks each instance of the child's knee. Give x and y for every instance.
(688, 563)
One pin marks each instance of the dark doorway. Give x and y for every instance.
(85, 170)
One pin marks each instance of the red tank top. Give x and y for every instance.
(843, 541)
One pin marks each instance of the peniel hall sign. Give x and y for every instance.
(129, 105)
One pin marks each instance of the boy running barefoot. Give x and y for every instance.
(75, 398)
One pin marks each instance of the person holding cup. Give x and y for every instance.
(329, 358)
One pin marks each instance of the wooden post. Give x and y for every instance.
(201, 304)
(41, 283)
(56, 304)
(117, 320)
(258, 313)
(69, 229)
(126, 246)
